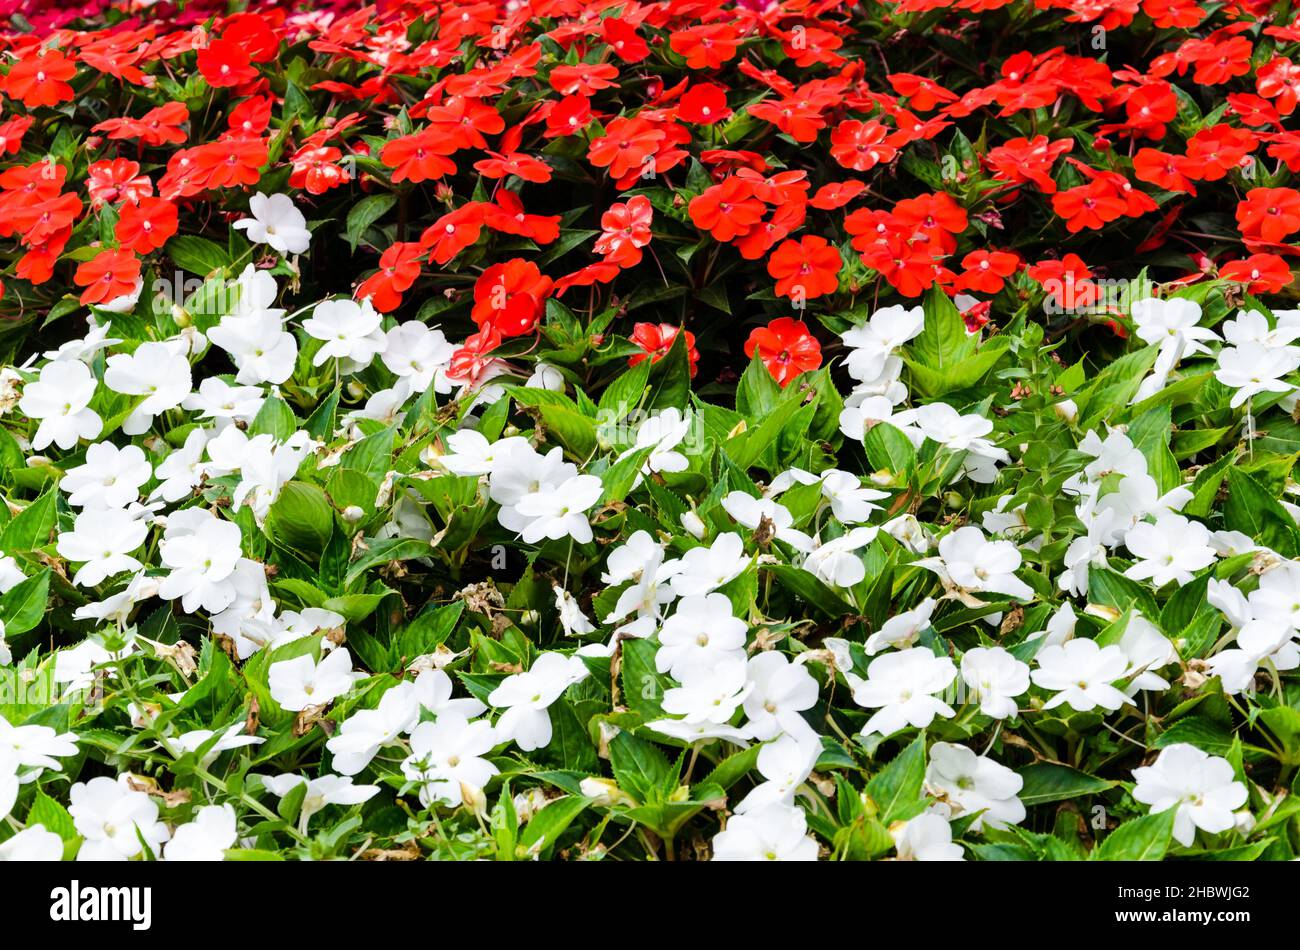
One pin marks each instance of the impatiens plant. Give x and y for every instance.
(650, 430)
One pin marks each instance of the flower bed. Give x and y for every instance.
(649, 430)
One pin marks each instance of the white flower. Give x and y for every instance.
(1147, 650)
(661, 433)
(857, 421)
(201, 551)
(419, 354)
(8, 782)
(927, 837)
(159, 372)
(709, 694)
(206, 838)
(851, 501)
(704, 569)
(1172, 549)
(102, 539)
(182, 471)
(254, 335)
(367, 731)
(785, 764)
(559, 510)
(301, 682)
(114, 819)
(701, 633)
(781, 690)
(446, 756)
(33, 843)
(1253, 368)
(902, 630)
(774, 833)
(1082, 674)
(872, 343)
(751, 512)
(1060, 626)
(277, 222)
(35, 747)
(971, 563)
(973, 784)
(995, 678)
(110, 478)
(433, 690)
(572, 619)
(1171, 323)
(232, 737)
(901, 687)
(350, 332)
(59, 399)
(1201, 786)
(836, 562)
(217, 399)
(472, 454)
(545, 376)
(527, 696)
(322, 791)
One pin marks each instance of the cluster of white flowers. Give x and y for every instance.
(168, 491)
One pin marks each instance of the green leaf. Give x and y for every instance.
(1253, 510)
(365, 213)
(545, 827)
(301, 518)
(1048, 782)
(896, 789)
(1139, 839)
(31, 528)
(639, 767)
(23, 605)
(197, 255)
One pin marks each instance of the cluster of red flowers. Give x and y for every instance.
(721, 166)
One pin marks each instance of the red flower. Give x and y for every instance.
(116, 180)
(726, 210)
(1213, 152)
(11, 134)
(909, 267)
(805, 269)
(514, 163)
(510, 297)
(225, 63)
(1089, 206)
(986, 271)
(419, 157)
(657, 340)
(1065, 281)
(41, 79)
(703, 104)
(786, 348)
(707, 46)
(160, 126)
(1020, 160)
(399, 268)
(922, 94)
(1269, 214)
(626, 229)
(146, 226)
(472, 359)
(108, 275)
(625, 146)
(625, 41)
(1261, 273)
(1162, 170)
(861, 146)
(453, 232)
